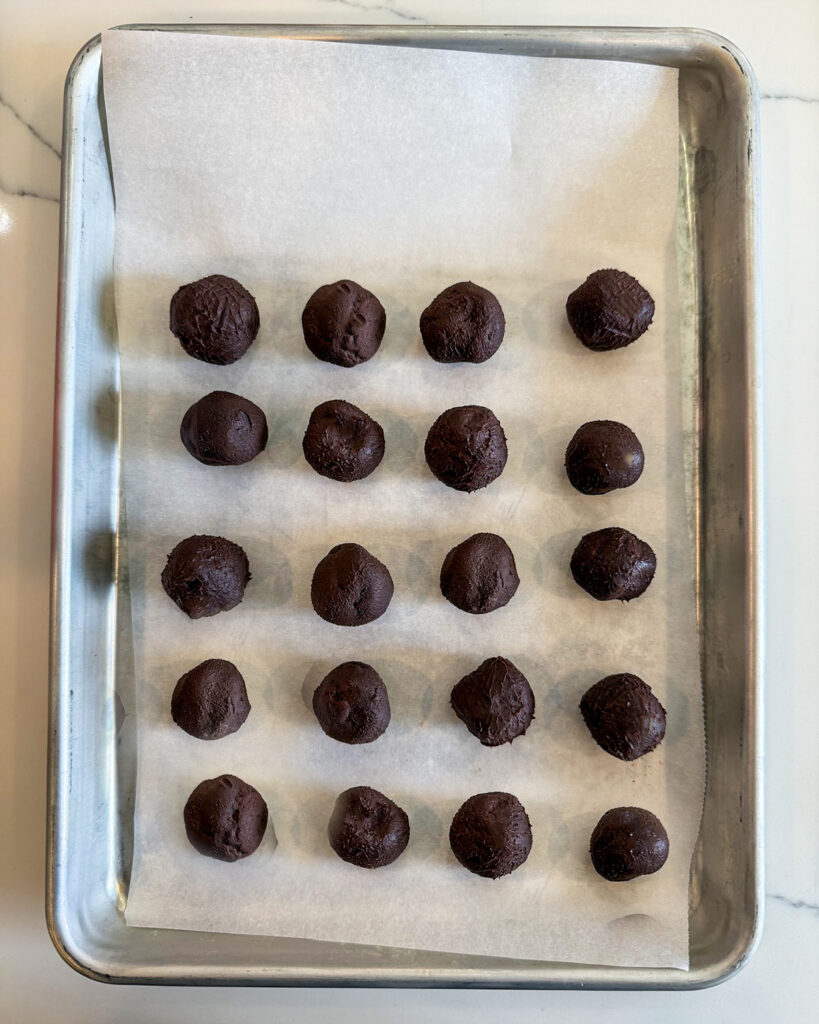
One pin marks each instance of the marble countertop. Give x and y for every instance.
(781, 982)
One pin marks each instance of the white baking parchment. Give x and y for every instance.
(288, 164)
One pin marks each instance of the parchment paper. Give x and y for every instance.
(288, 164)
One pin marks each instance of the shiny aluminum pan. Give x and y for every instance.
(92, 749)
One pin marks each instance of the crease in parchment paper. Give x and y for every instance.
(289, 164)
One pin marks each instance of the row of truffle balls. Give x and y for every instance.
(205, 575)
(495, 702)
(622, 713)
(490, 834)
(465, 448)
(216, 319)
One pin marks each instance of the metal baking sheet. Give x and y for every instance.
(92, 748)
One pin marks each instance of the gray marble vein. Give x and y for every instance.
(25, 193)
(796, 904)
(381, 9)
(788, 96)
(5, 103)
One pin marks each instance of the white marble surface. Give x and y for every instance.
(38, 38)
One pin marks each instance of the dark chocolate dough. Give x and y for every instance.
(223, 429)
(491, 835)
(479, 574)
(464, 324)
(367, 829)
(602, 456)
(351, 703)
(466, 447)
(623, 716)
(628, 842)
(210, 701)
(612, 564)
(215, 319)
(495, 702)
(343, 323)
(350, 586)
(342, 442)
(225, 818)
(609, 310)
(206, 575)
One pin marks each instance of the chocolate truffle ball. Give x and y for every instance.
(479, 574)
(623, 716)
(351, 703)
(350, 586)
(602, 456)
(225, 818)
(609, 310)
(342, 442)
(464, 324)
(466, 447)
(367, 829)
(628, 842)
(343, 323)
(495, 702)
(613, 565)
(206, 575)
(491, 835)
(210, 701)
(215, 319)
(223, 429)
